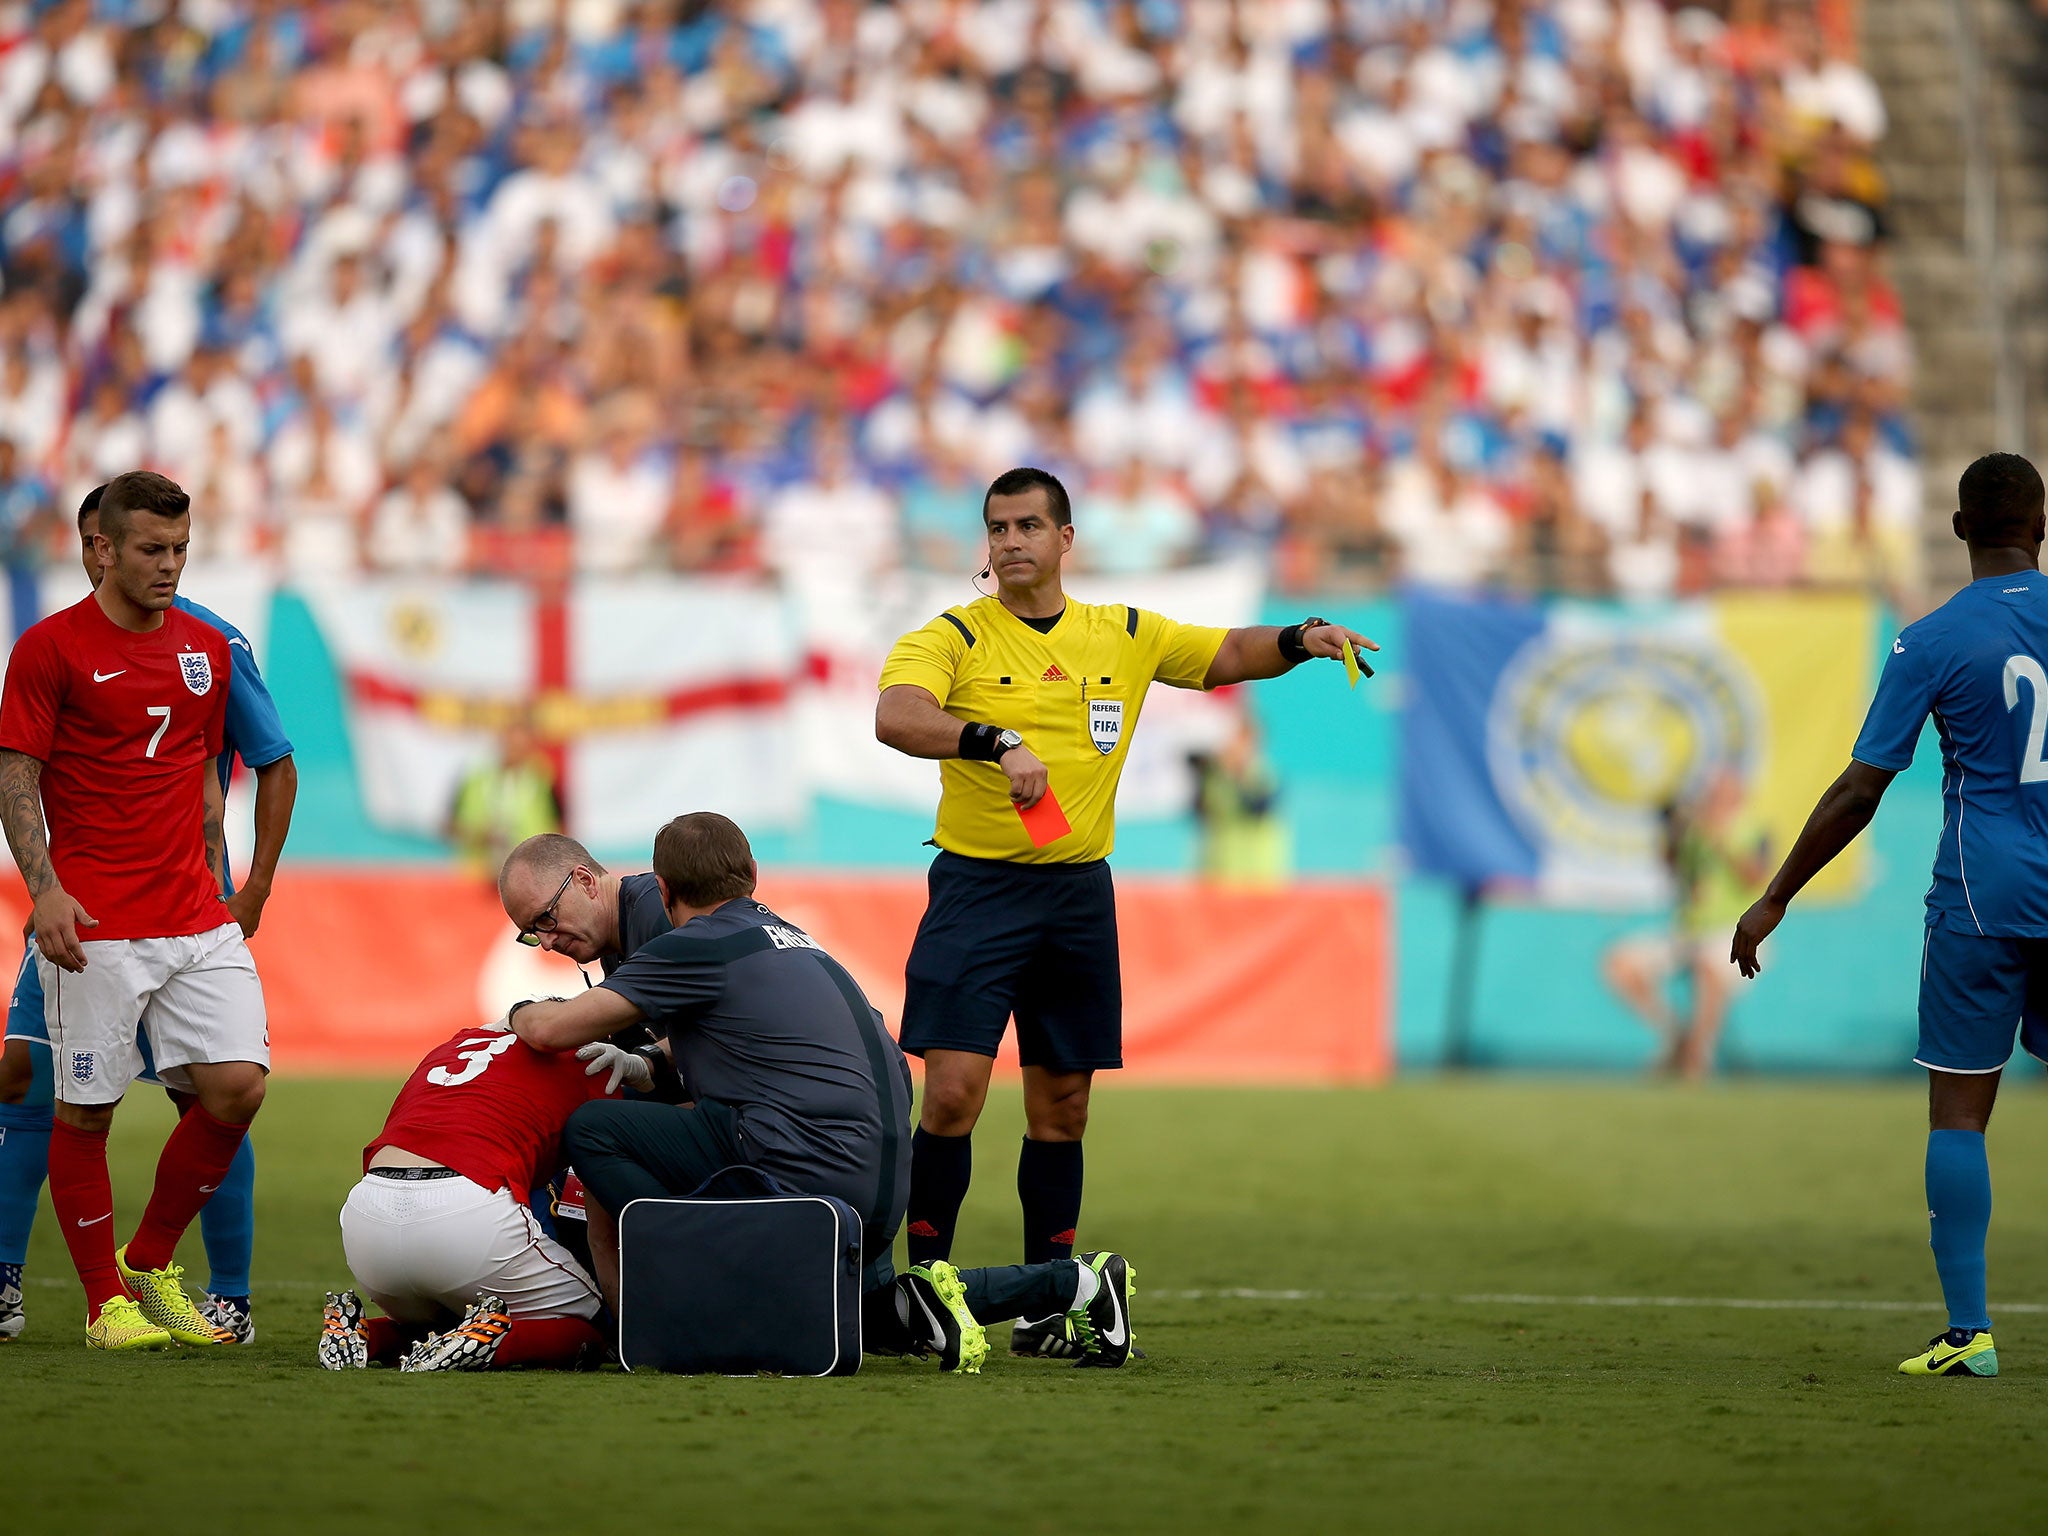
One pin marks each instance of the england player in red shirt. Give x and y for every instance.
(110, 721)
(439, 1227)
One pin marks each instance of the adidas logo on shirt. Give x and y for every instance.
(1053, 674)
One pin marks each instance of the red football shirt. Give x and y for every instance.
(126, 727)
(489, 1107)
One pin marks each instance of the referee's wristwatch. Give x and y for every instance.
(985, 744)
(1292, 650)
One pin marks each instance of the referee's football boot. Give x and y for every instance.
(343, 1344)
(1049, 1338)
(1103, 1325)
(939, 1321)
(161, 1295)
(121, 1325)
(232, 1313)
(471, 1345)
(1959, 1352)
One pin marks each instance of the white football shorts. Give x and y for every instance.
(197, 997)
(423, 1248)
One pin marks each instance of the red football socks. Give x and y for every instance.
(83, 1197)
(195, 1159)
(547, 1342)
(388, 1339)
(556, 1343)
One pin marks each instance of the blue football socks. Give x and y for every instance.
(228, 1224)
(24, 1165)
(1958, 1216)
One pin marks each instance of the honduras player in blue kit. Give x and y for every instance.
(1979, 666)
(227, 1222)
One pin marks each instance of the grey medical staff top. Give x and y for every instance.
(641, 917)
(761, 1019)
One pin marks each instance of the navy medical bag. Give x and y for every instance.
(739, 1277)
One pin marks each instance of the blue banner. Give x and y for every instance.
(1453, 822)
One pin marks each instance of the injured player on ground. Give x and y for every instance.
(440, 1233)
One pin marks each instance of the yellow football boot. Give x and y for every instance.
(121, 1325)
(160, 1294)
(1959, 1352)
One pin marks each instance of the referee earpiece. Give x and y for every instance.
(979, 577)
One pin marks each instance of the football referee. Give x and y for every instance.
(1024, 695)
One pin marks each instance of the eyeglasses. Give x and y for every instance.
(544, 920)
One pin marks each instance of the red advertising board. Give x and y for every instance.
(364, 968)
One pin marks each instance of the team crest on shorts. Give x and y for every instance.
(81, 1066)
(1105, 724)
(197, 667)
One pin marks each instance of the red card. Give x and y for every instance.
(1045, 821)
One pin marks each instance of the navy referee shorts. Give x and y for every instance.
(1034, 940)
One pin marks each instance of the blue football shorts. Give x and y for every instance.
(1976, 994)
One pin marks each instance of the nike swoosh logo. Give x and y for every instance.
(207, 1189)
(101, 677)
(96, 1220)
(1117, 1333)
(245, 645)
(933, 1327)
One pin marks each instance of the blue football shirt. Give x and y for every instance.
(1979, 665)
(253, 732)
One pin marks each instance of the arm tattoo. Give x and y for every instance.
(21, 810)
(216, 845)
(216, 836)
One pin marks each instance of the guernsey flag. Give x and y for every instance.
(649, 697)
(1543, 742)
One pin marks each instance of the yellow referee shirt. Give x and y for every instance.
(1074, 696)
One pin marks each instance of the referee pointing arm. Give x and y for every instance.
(1019, 694)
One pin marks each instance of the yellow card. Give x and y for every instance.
(1350, 662)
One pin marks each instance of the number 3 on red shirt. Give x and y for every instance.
(484, 1052)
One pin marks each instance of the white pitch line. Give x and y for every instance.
(1514, 1299)
(1738, 1303)
(261, 1285)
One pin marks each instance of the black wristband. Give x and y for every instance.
(668, 1082)
(978, 743)
(1292, 651)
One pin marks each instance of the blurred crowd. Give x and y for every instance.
(1570, 295)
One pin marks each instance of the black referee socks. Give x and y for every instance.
(1049, 1187)
(940, 1168)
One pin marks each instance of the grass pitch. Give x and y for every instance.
(1365, 1310)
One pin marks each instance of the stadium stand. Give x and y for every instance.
(1582, 296)
(1967, 214)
